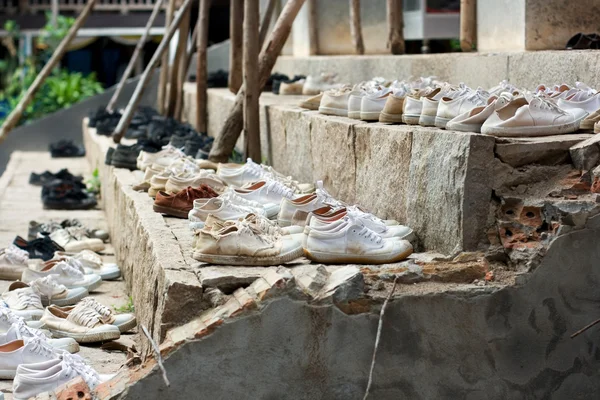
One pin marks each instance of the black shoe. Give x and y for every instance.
(274, 81)
(217, 79)
(195, 143)
(109, 154)
(37, 229)
(179, 141)
(43, 248)
(66, 148)
(125, 156)
(47, 177)
(63, 195)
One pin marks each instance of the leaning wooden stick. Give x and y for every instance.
(395, 19)
(585, 328)
(184, 67)
(225, 141)
(236, 18)
(356, 27)
(164, 67)
(266, 22)
(145, 78)
(201, 67)
(251, 111)
(134, 57)
(184, 28)
(468, 24)
(13, 118)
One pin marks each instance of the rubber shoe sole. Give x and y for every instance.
(390, 118)
(333, 111)
(65, 302)
(336, 258)
(127, 326)
(172, 212)
(248, 260)
(87, 337)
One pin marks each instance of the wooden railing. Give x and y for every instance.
(29, 6)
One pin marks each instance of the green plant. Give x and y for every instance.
(127, 308)
(51, 34)
(93, 183)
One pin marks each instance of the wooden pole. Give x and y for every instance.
(356, 27)
(236, 18)
(225, 141)
(266, 22)
(175, 72)
(468, 24)
(201, 69)
(183, 70)
(251, 49)
(191, 48)
(313, 28)
(145, 78)
(164, 65)
(182, 66)
(395, 18)
(13, 118)
(136, 54)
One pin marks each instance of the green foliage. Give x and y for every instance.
(127, 308)
(51, 35)
(93, 183)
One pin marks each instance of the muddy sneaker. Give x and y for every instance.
(81, 323)
(93, 233)
(64, 274)
(75, 239)
(66, 148)
(221, 208)
(43, 248)
(23, 301)
(52, 292)
(181, 181)
(179, 205)
(125, 322)
(91, 263)
(243, 244)
(13, 261)
(215, 224)
(23, 351)
(352, 242)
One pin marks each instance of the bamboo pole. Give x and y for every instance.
(266, 22)
(145, 78)
(313, 28)
(183, 66)
(175, 71)
(201, 69)
(252, 93)
(164, 65)
(236, 18)
(468, 24)
(395, 19)
(13, 118)
(225, 141)
(356, 27)
(136, 54)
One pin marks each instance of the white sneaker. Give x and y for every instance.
(587, 101)
(33, 379)
(472, 120)
(503, 87)
(413, 105)
(23, 301)
(464, 101)
(242, 244)
(181, 181)
(317, 84)
(269, 210)
(23, 351)
(335, 102)
(372, 104)
(7, 318)
(431, 103)
(64, 274)
(222, 208)
(75, 239)
(13, 261)
(265, 192)
(125, 322)
(145, 159)
(538, 117)
(19, 330)
(81, 323)
(354, 102)
(51, 292)
(91, 263)
(352, 242)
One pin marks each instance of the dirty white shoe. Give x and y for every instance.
(372, 104)
(431, 103)
(75, 239)
(472, 120)
(163, 157)
(81, 323)
(19, 330)
(181, 181)
(91, 263)
(64, 274)
(413, 104)
(125, 322)
(536, 117)
(221, 208)
(465, 101)
(23, 301)
(265, 192)
(317, 84)
(51, 292)
(36, 378)
(13, 261)
(335, 102)
(24, 351)
(268, 209)
(352, 242)
(243, 244)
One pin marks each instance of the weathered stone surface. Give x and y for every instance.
(312, 281)
(586, 154)
(383, 154)
(73, 390)
(344, 284)
(547, 150)
(449, 188)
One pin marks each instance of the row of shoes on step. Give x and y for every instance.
(63, 190)
(70, 235)
(306, 85)
(503, 110)
(264, 218)
(106, 121)
(36, 362)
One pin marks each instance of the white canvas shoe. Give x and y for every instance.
(242, 244)
(372, 104)
(23, 301)
(503, 87)
(181, 181)
(317, 84)
(268, 209)
(19, 330)
(265, 192)
(413, 104)
(91, 263)
(222, 208)
(125, 322)
(587, 101)
(537, 117)
(352, 242)
(465, 101)
(64, 274)
(472, 120)
(146, 159)
(335, 102)
(75, 239)
(7, 318)
(35, 378)
(51, 292)
(81, 323)
(23, 351)
(432, 101)
(13, 261)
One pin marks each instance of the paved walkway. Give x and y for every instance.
(20, 202)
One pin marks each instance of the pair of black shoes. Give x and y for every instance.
(66, 148)
(67, 195)
(126, 156)
(47, 177)
(43, 248)
(217, 79)
(277, 82)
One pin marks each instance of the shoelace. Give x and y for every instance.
(370, 235)
(16, 255)
(77, 232)
(478, 96)
(327, 198)
(263, 224)
(69, 269)
(7, 315)
(244, 227)
(28, 332)
(40, 346)
(27, 298)
(279, 188)
(75, 365)
(84, 316)
(99, 308)
(235, 199)
(48, 286)
(546, 104)
(358, 213)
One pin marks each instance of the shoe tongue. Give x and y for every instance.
(83, 315)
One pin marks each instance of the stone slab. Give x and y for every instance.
(545, 150)
(586, 154)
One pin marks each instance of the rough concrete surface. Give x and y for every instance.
(511, 343)
(548, 150)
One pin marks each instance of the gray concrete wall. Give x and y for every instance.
(473, 344)
(66, 124)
